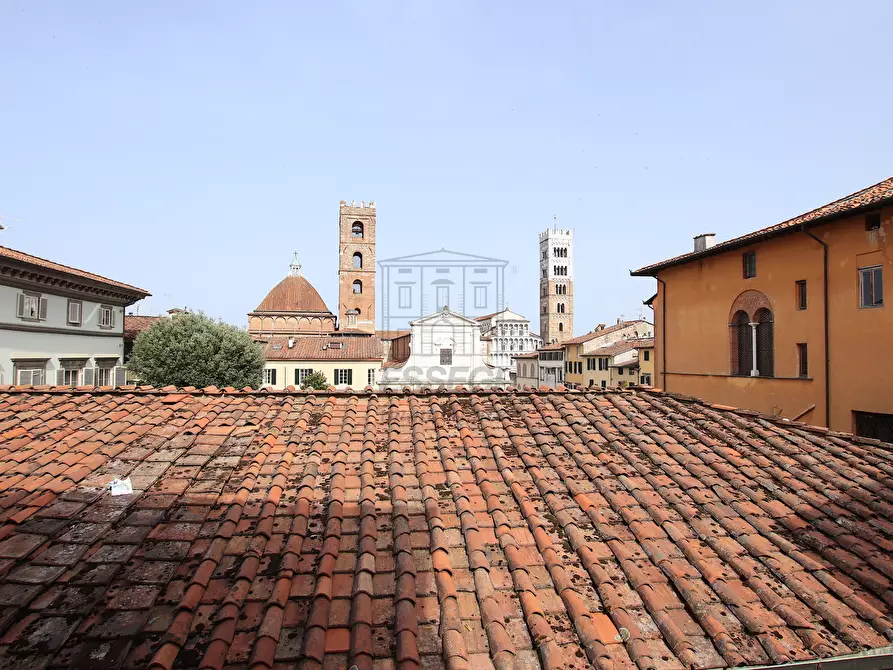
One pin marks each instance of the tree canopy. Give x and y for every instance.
(194, 350)
(315, 380)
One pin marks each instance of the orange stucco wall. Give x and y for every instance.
(699, 297)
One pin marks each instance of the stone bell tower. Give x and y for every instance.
(556, 285)
(356, 266)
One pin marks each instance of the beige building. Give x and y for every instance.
(581, 368)
(527, 366)
(346, 360)
(619, 364)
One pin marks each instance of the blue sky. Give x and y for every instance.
(189, 148)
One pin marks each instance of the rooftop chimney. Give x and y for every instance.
(704, 241)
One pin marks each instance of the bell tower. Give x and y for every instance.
(356, 266)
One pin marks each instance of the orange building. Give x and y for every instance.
(788, 320)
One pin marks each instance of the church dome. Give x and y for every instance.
(293, 294)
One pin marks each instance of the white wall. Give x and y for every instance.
(444, 330)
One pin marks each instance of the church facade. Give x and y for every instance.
(446, 350)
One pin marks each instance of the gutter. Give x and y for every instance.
(805, 229)
(873, 659)
(663, 331)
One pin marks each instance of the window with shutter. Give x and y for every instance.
(106, 316)
(44, 306)
(74, 312)
(89, 376)
(31, 307)
(120, 377)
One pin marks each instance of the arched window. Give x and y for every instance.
(358, 260)
(357, 229)
(560, 327)
(765, 351)
(358, 286)
(742, 341)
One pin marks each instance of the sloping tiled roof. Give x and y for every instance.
(634, 363)
(872, 196)
(320, 530)
(392, 334)
(293, 294)
(644, 343)
(22, 257)
(135, 324)
(319, 348)
(615, 348)
(582, 339)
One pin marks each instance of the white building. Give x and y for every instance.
(60, 325)
(445, 350)
(506, 334)
(550, 365)
(556, 285)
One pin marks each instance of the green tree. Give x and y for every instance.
(195, 350)
(315, 380)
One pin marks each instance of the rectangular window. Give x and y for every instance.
(801, 294)
(405, 294)
(370, 376)
(604, 384)
(750, 264)
(31, 307)
(446, 356)
(480, 296)
(343, 376)
(802, 360)
(106, 316)
(103, 376)
(874, 424)
(75, 307)
(30, 375)
(270, 376)
(619, 371)
(443, 296)
(301, 374)
(579, 367)
(70, 373)
(646, 355)
(871, 289)
(872, 221)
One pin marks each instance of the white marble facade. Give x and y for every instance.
(507, 334)
(445, 350)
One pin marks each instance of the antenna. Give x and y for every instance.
(555, 221)
(5, 217)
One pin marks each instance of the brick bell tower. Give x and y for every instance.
(356, 266)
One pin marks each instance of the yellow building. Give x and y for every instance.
(581, 368)
(345, 360)
(646, 362)
(619, 364)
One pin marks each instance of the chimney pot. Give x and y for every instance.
(704, 241)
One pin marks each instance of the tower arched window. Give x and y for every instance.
(356, 230)
(357, 286)
(560, 327)
(765, 344)
(358, 260)
(742, 340)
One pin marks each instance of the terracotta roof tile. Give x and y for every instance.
(293, 294)
(323, 348)
(135, 324)
(873, 196)
(555, 529)
(582, 339)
